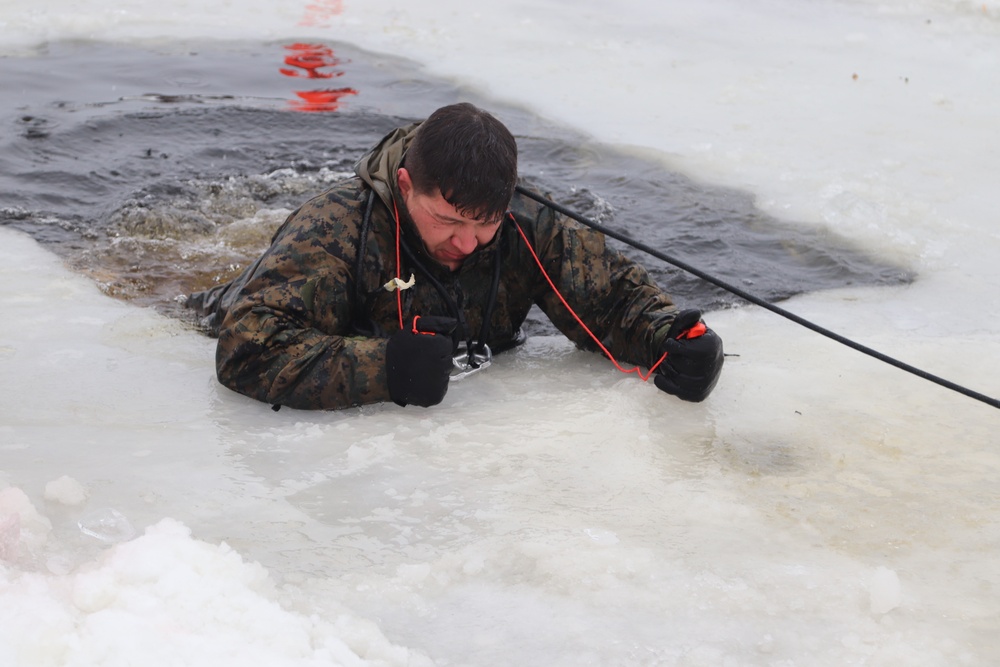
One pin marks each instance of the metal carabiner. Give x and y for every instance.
(467, 362)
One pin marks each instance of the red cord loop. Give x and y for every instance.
(638, 371)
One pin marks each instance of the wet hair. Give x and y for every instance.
(469, 156)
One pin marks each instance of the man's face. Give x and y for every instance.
(448, 235)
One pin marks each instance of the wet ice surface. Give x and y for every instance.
(597, 527)
(819, 509)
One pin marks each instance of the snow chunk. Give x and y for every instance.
(66, 490)
(885, 590)
(21, 526)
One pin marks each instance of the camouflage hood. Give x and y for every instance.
(378, 166)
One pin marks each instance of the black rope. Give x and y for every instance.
(759, 301)
(491, 301)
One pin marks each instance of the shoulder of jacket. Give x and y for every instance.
(331, 220)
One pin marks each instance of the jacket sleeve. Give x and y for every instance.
(286, 340)
(614, 296)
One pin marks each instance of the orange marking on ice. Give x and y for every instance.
(306, 61)
(318, 14)
(320, 100)
(309, 58)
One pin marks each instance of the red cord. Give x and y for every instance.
(610, 356)
(399, 292)
(399, 301)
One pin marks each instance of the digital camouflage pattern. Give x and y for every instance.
(295, 332)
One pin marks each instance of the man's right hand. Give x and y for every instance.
(418, 361)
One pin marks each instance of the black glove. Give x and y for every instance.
(693, 364)
(418, 361)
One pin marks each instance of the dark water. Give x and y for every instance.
(162, 169)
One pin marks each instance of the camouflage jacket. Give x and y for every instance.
(306, 325)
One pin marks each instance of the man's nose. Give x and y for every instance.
(464, 239)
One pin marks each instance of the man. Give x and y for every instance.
(368, 290)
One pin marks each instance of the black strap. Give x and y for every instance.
(359, 260)
(494, 288)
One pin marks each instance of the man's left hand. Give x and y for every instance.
(694, 358)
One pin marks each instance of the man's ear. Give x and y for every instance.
(404, 181)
